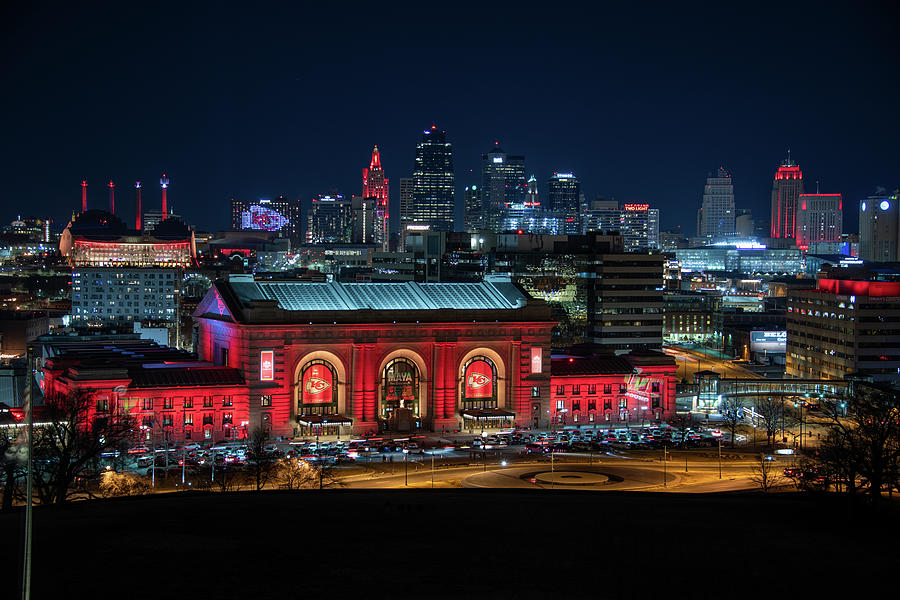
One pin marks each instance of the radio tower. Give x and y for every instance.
(112, 197)
(164, 183)
(83, 195)
(137, 217)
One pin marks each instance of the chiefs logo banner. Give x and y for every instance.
(479, 380)
(317, 382)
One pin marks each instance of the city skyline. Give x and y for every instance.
(229, 123)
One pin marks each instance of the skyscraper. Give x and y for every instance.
(564, 197)
(502, 187)
(406, 199)
(474, 218)
(717, 213)
(786, 190)
(280, 215)
(433, 184)
(879, 227)
(375, 185)
(820, 219)
(330, 221)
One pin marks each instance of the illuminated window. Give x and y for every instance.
(226, 401)
(168, 403)
(560, 405)
(265, 400)
(535, 392)
(188, 403)
(147, 404)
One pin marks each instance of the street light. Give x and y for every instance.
(406, 468)
(483, 451)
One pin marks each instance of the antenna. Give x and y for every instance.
(112, 196)
(164, 184)
(137, 217)
(83, 195)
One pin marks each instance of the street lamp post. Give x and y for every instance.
(405, 468)
(665, 466)
(720, 458)
(483, 451)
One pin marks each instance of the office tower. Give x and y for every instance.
(472, 209)
(281, 216)
(820, 219)
(375, 185)
(822, 340)
(603, 216)
(625, 302)
(639, 227)
(563, 198)
(717, 213)
(786, 190)
(330, 221)
(878, 227)
(152, 218)
(744, 225)
(433, 185)
(365, 214)
(406, 200)
(502, 188)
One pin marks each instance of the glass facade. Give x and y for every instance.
(432, 183)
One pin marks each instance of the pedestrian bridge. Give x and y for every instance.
(711, 389)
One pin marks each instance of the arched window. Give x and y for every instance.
(400, 387)
(318, 391)
(479, 383)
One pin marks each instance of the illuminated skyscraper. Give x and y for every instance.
(502, 188)
(433, 183)
(280, 215)
(879, 227)
(406, 199)
(472, 209)
(564, 198)
(375, 185)
(717, 213)
(330, 221)
(820, 219)
(786, 190)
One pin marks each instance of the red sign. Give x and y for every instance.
(479, 380)
(637, 206)
(536, 359)
(267, 365)
(317, 385)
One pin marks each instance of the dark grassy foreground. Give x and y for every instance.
(455, 543)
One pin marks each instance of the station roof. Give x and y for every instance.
(243, 299)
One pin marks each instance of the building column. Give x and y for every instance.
(369, 382)
(356, 385)
(437, 371)
(450, 387)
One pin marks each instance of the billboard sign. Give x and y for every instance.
(479, 380)
(267, 365)
(263, 218)
(768, 341)
(318, 382)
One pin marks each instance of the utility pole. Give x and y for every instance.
(665, 466)
(720, 458)
(29, 486)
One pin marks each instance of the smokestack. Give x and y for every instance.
(112, 197)
(83, 195)
(164, 183)
(137, 217)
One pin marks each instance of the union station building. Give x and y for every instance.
(374, 357)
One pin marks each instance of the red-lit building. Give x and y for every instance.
(786, 190)
(375, 357)
(169, 394)
(594, 390)
(375, 185)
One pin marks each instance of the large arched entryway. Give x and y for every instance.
(400, 406)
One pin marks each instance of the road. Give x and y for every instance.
(690, 361)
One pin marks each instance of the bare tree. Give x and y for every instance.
(732, 410)
(771, 412)
(113, 484)
(12, 466)
(293, 474)
(765, 474)
(260, 463)
(863, 446)
(67, 448)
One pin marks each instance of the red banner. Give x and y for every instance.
(318, 385)
(267, 365)
(479, 380)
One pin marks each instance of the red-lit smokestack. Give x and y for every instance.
(112, 197)
(164, 184)
(137, 217)
(83, 195)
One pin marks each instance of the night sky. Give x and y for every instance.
(259, 101)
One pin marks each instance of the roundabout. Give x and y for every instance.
(572, 478)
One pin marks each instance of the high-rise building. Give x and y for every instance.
(433, 183)
(375, 185)
(502, 187)
(819, 219)
(744, 224)
(365, 221)
(786, 190)
(879, 227)
(281, 216)
(474, 217)
(717, 213)
(564, 197)
(640, 227)
(406, 199)
(330, 221)
(603, 216)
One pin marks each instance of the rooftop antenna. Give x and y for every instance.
(137, 217)
(164, 184)
(112, 197)
(817, 186)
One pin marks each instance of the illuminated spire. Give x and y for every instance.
(376, 160)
